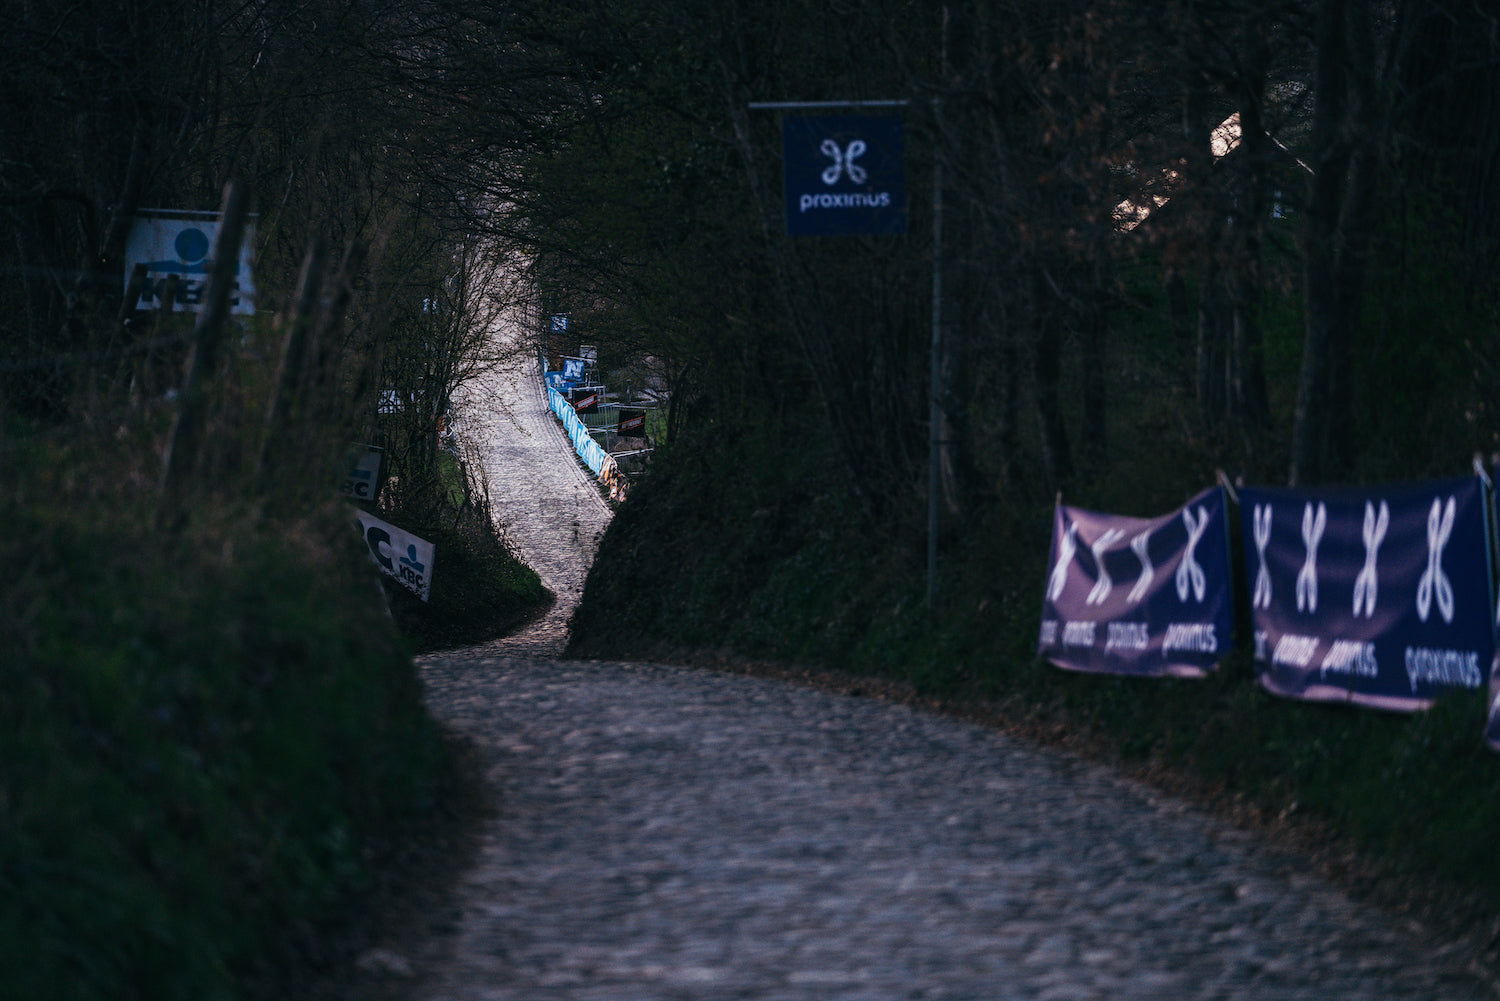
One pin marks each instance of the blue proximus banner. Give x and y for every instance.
(844, 175)
(1378, 596)
(1139, 596)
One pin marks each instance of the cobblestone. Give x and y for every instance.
(674, 833)
(669, 833)
(549, 505)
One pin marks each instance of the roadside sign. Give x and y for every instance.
(399, 553)
(632, 423)
(362, 473)
(174, 242)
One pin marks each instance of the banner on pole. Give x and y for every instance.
(844, 175)
(1139, 596)
(1376, 596)
(399, 553)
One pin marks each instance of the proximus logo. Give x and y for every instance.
(843, 161)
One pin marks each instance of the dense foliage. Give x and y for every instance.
(212, 741)
(206, 736)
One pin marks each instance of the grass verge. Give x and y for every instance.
(212, 738)
(480, 588)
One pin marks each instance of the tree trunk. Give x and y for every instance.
(1250, 407)
(1213, 323)
(1335, 242)
(1094, 323)
(1056, 453)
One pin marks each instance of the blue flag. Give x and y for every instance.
(1378, 596)
(1139, 596)
(844, 175)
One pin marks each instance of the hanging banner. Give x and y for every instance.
(572, 369)
(1139, 596)
(399, 553)
(1492, 721)
(1376, 596)
(632, 423)
(584, 401)
(844, 175)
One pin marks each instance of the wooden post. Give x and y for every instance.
(290, 375)
(133, 290)
(208, 335)
(322, 380)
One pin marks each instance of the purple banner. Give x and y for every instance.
(1378, 596)
(1139, 596)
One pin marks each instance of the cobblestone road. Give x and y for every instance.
(667, 833)
(551, 507)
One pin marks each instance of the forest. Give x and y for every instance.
(1125, 307)
(1250, 238)
(1144, 244)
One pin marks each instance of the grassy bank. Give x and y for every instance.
(480, 588)
(211, 737)
(1400, 805)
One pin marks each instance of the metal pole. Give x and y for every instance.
(935, 388)
(934, 405)
(814, 105)
(934, 471)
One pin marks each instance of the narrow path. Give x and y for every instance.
(551, 507)
(667, 833)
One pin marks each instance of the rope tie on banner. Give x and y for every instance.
(1434, 582)
(1065, 551)
(1190, 571)
(1104, 584)
(1312, 535)
(1368, 580)
(1223, 478)
(1262, 519)
(1148, 572)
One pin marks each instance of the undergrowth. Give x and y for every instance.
(205, 734)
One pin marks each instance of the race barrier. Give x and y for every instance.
(1375, 596)
(599, 462)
